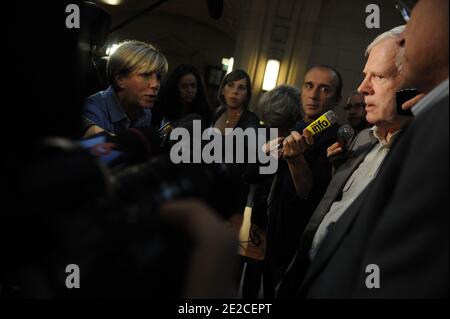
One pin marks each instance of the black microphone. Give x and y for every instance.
(345, 136)
(215, 8)
(141, 144)
(136, 145)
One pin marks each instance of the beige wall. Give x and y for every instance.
(341, 37)
(300, 33)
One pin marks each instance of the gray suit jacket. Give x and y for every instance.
(360, 147)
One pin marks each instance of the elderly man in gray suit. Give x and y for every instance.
(382, 80)
(393, 242)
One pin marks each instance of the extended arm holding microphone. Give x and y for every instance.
(294, 147)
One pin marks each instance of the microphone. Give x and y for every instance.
(186, 122)
(319, 125)
(137, 144)
(345, 136)
(322, 123)
(141, 144)
(215, 8)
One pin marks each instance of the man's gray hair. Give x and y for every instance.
(280, 107)
(391, 34)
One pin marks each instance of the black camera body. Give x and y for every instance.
(73, 210)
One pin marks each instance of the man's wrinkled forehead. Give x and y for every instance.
(383, 58)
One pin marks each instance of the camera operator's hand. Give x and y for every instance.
(214, 256)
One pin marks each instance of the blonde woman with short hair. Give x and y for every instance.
(134, 72)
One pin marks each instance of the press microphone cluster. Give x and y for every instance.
(141, 144)
(136, 145)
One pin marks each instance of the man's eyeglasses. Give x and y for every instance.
(405, 7)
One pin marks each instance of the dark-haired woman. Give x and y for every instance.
(182, 94)
(235, 94)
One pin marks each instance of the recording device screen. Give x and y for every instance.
(100, 148)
